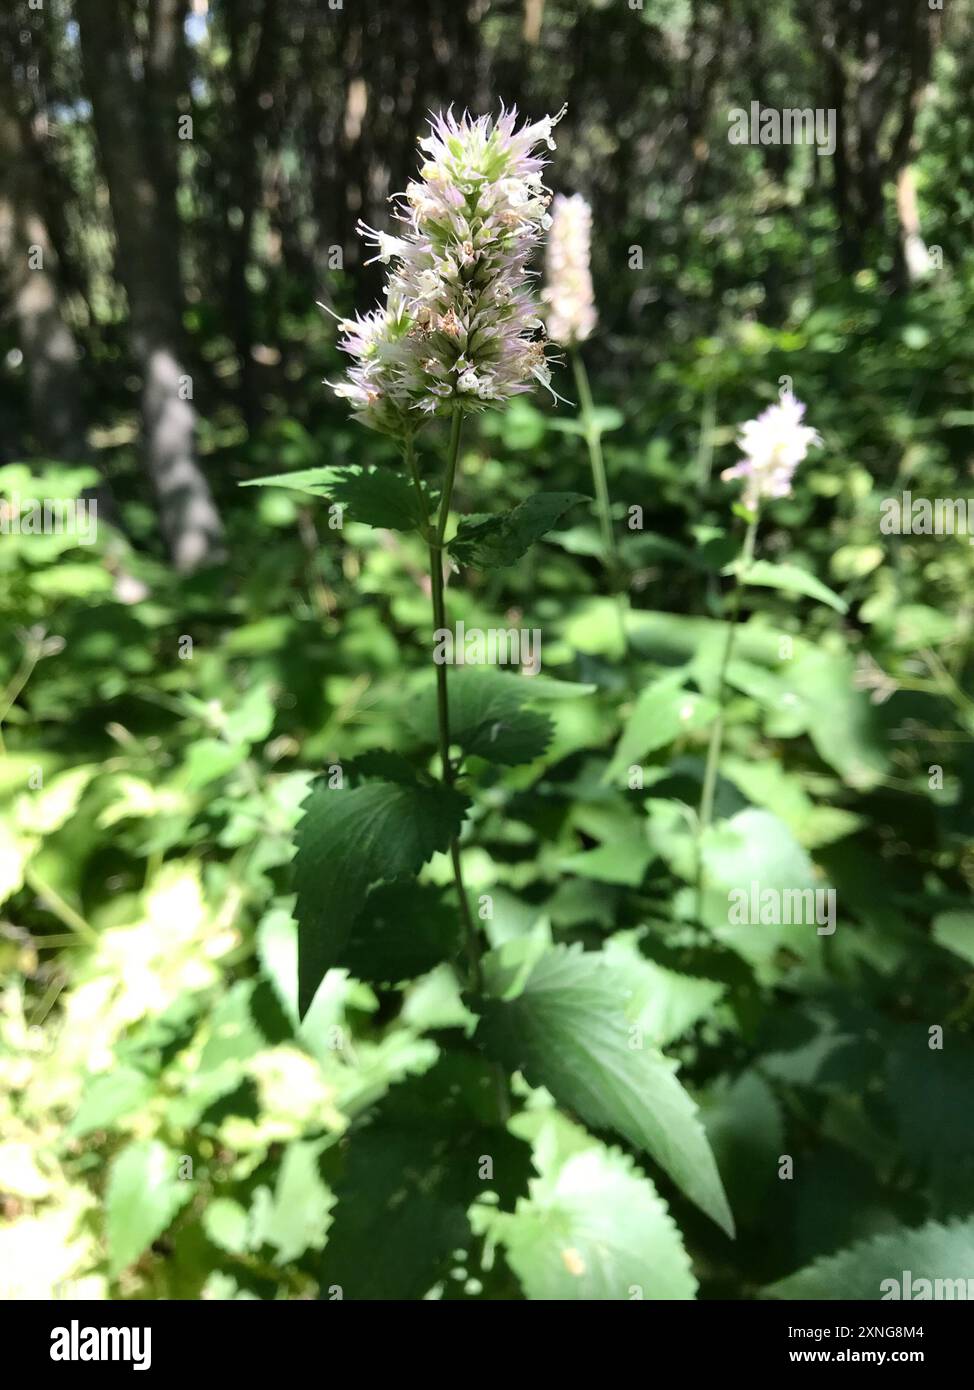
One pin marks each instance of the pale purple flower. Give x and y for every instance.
(568, 293)
(460, 324)
(773, 444)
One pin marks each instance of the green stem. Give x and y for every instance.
(705, 814)
(60, 909)
(593, 438)
(20, 679)
(435, 543)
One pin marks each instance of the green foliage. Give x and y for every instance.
(584, 1230)
(562, 1019)
(179, 1120)
(933, 1252)
(349, 840)
(143, 1195)
(496, 541)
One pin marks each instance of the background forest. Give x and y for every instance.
(180, 182)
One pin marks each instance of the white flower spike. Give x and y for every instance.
(568, 292)
(773, 444)
(460, 322)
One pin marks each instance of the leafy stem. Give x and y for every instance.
(705, 814)
(434, 541)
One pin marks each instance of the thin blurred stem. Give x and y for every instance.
(603, 505)
(62, 910)
(593, 438)
(435, 542)
(22, 675)
(706, 811)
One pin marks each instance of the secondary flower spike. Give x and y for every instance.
(460, 323)
(568, 292)
(773, 444)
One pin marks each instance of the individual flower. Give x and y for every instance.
(460, 323)
(568, 293)
(773, 445)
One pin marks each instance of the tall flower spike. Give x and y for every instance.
(773, 444)
(460, 323)
(568, 293)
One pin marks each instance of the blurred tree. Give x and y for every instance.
(132, 59)
(31, 287)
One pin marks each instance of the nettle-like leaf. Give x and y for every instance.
(404, 930)
(933, 1253)
(408, 1177)
(664, 1003)
(380, 497)
(144, 1194)
(296, 1216)
(374, 496)
(492, 542)
(314, 482)
(561, 1017)
(489, 715)
(350, 839)
(593, 1226)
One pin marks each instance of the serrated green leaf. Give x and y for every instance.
(489, 715)
(144, 1193)
(664, 1003)
(350, 839)
(374, 496)
(315, 482)
(568, 1030)
(404, 930)
(409, 1178)
(379, 497)
(297, 1216)
(592, 1229)
(932, 1252)
(495, 541)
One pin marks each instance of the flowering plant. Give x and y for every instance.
(460, 326)
(773, 444)
(569, 295)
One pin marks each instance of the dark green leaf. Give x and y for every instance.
(495, 541)
(405, 929)
(350, 839)
(931, 1252)
(566, 1027)
(488, 715)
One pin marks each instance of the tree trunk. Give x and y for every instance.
(140, 187)
(31, 287)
